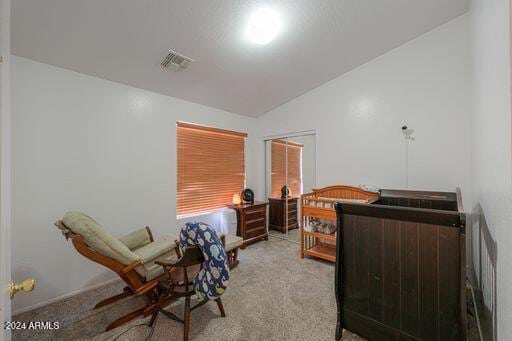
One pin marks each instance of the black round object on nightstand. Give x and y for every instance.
(284, 192)
(248, 196)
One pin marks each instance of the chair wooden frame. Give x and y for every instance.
(181, 286)
(233, 258)
(136, 284)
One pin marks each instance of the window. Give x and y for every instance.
(210, 167)
(279, 168)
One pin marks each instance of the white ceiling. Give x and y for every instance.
(125, 41)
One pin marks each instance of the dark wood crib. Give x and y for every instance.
(400, 269)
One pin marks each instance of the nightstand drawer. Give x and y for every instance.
(256, 223)
(255, 232)
(253, 215)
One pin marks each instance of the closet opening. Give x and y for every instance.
(290, 171)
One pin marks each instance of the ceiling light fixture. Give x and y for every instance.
(264, 25)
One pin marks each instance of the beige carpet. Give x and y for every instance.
(273, 295)
(293, 235)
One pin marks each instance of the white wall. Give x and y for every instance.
(491, 141)
(82, 143)
(358, 116)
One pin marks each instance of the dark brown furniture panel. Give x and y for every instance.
(428, 287)
(277, 214)
(251, 222)
(398, 278)
(390, 264)
(420, 199)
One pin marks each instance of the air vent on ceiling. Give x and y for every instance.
(176, 61)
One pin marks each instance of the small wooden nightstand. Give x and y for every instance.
(251, 222)
(277, 214)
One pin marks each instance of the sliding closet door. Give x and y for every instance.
(276, 153)
(290, 172)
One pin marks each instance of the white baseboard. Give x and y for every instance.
(63, 297)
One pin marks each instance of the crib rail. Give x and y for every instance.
(310, 199)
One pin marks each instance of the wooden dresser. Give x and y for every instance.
(277, 214)
(251, 222)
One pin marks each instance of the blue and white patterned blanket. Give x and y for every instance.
(210, 282)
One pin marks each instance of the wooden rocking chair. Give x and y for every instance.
(141, 275)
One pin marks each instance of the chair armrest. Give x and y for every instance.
(137, 239)
(131, 267)
(151, 251)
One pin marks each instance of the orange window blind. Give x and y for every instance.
(280, 167)
(210, 167)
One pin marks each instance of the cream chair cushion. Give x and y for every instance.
(232, 242)
(97, 238)
(162, 249)
(136, 239)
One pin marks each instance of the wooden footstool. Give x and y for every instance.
(232, 243)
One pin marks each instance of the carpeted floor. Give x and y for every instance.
(272, 295)
(293, 235)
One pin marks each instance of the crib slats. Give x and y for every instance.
(428, 281)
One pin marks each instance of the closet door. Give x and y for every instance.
(276, 152)
(290, 172)
(294, 187)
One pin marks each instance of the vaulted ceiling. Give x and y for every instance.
(125, 41)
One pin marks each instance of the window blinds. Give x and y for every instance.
(210, 167)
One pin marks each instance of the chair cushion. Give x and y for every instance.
(162, 249)
(97, 238)
(151, 271)
(152, 250)
(232, 242)
(136, 239)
